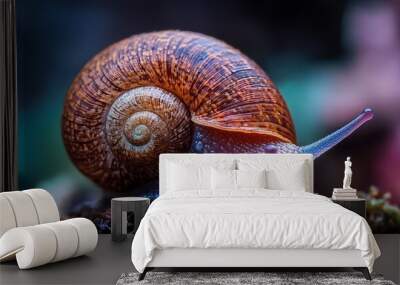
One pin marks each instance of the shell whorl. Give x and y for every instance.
(146, 121)
(141, 96)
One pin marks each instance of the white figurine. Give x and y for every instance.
(347, 174)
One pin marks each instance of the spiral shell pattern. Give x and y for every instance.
(141, 96)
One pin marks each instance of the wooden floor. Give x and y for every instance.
(103, 266)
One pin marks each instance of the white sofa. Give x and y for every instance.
(31, 231)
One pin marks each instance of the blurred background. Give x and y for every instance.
(330, 60)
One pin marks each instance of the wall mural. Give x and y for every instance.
(164, 91)
(253, 76)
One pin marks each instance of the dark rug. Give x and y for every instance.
(229, 278)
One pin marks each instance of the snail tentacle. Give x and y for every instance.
(323, 145)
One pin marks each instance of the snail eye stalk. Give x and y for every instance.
(323, 145)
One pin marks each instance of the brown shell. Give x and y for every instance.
(220, 87)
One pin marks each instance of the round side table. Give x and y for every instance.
(120, 207)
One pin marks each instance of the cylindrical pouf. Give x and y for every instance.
(41, 244)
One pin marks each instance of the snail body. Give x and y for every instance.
(174, 91)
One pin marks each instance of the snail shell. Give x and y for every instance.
(150, 93)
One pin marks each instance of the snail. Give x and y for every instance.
(174, 91)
